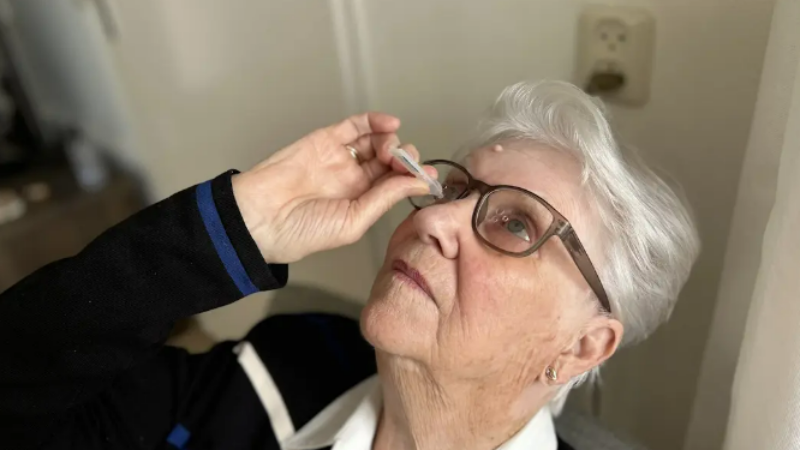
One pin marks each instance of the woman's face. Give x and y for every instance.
(444, 299)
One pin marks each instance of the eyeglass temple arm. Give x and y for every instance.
(581, 259)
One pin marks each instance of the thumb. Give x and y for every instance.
(386, 193)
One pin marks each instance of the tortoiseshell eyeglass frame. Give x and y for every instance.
(559, 227)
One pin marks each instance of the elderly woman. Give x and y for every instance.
(547, 252)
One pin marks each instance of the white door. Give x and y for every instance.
(63, 58)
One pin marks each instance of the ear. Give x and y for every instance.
(599, 340)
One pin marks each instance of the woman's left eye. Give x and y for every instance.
(517, 228)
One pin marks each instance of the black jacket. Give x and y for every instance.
(82, 361)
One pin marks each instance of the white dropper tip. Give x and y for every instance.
(436, 189)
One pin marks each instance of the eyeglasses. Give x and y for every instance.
(512, 220)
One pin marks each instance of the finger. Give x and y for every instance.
(352, 128)
(383, 143)
(385, 154)
(412, 151)
(363, 146)
(377, 167)
(382, 197)
(374, 169)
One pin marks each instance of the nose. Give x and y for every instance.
(446, 225)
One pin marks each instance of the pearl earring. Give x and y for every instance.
(551, 373)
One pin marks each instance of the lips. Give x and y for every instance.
(412, 275)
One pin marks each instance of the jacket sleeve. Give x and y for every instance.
(70, 329)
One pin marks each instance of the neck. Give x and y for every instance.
(426, 410)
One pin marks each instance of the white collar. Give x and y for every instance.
(350, 422)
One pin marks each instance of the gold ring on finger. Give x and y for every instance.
(354, 153)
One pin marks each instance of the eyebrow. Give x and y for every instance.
(469, 163)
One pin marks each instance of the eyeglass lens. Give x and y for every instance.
(509, 219)
(453, 180)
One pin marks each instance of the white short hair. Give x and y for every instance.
(651, 239)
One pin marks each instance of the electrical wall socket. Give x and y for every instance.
(620, 40)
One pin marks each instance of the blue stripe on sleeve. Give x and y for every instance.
(179, 436)
(222, 243)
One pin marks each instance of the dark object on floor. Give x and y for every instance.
(62, 224)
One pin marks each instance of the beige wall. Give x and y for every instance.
(438, 64)
(216, 85)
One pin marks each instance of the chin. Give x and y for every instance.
(396, 321)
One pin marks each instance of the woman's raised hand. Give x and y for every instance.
(315, 195)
